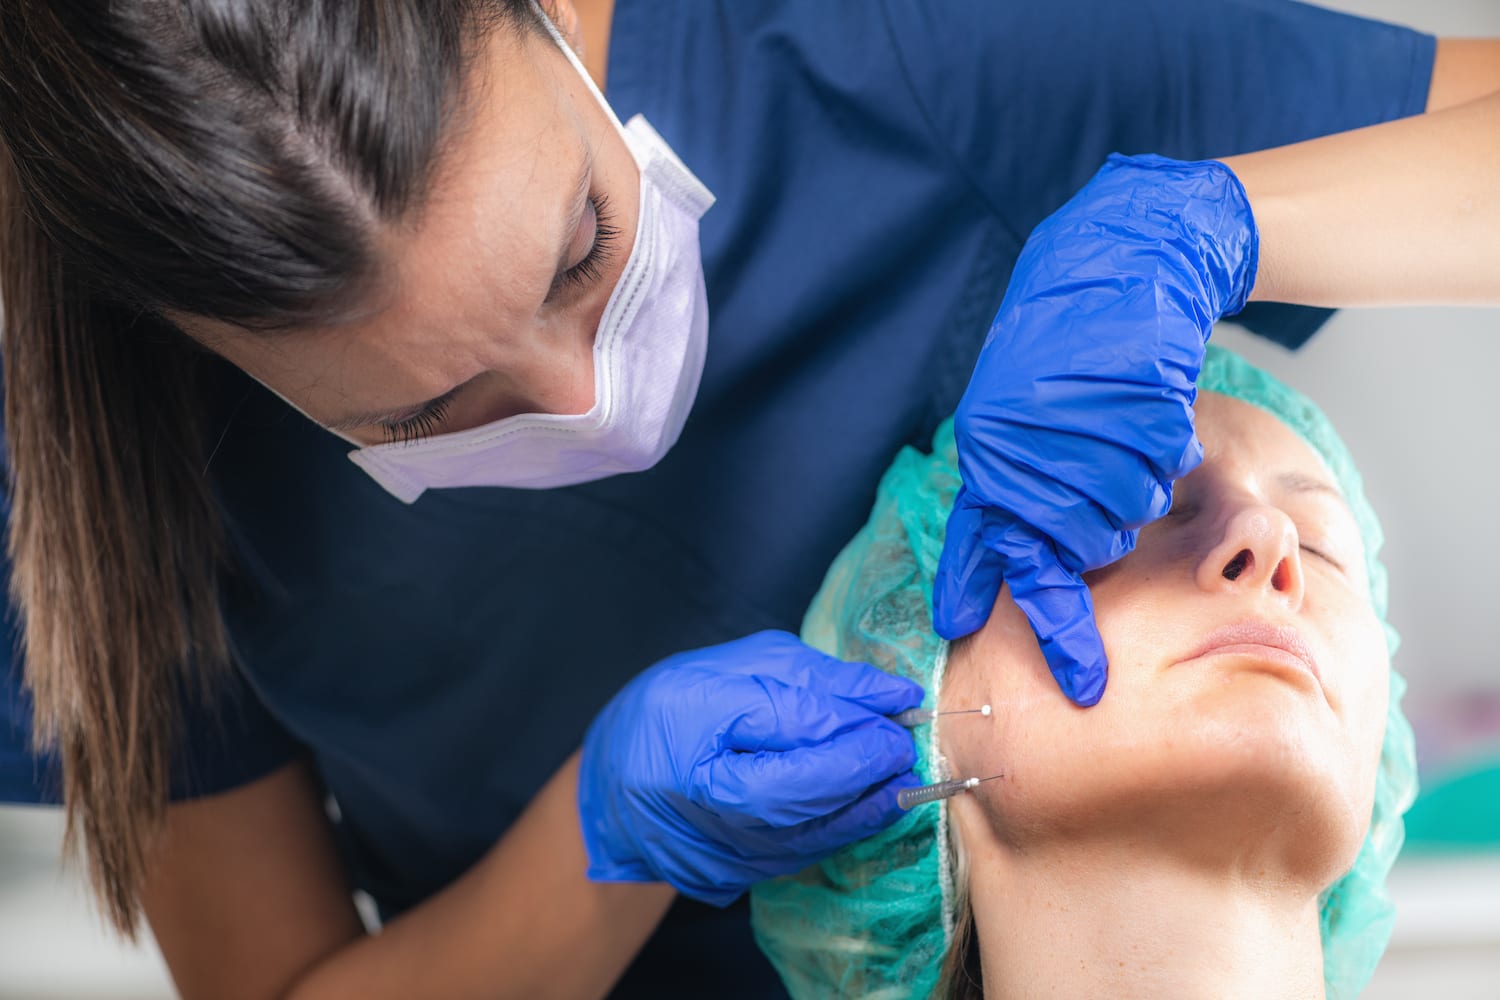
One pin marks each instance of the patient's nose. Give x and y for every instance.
(1259, 548)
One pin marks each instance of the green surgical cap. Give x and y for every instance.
(875, 920)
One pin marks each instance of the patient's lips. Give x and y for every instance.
(1277, 644)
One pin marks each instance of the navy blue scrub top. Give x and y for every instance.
(878, 166)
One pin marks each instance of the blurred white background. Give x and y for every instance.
(1412, 391)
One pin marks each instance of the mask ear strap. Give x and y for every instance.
(572, 56)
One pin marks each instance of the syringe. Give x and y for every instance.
(913, 717)
(910, 798)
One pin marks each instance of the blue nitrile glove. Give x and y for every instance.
(724, 766)
(1079, 414)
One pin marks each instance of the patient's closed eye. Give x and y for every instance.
(1322, 554)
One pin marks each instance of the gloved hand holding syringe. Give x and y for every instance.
(910, 798)
(723, 766)
(720, 767)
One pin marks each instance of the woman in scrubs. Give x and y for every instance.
(246, 241)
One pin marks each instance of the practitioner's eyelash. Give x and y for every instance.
(418, 425)
(585, 272)
(588, 270)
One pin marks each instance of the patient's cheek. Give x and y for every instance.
(1364, 694)
(969, 743)
(1000, 666)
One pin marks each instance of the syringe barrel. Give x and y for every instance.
(913, 717)
(910, 798)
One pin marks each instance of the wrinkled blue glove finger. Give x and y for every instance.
(1057, 603)
(1078, 416)
(771, 852)
(1054, 599)
(1049, 450)
(607, 869)
(1158, 436)
(865, 817)
(1065, 477)
(769, 651)
(775, 716)
(650, 809)
(985, 543)
(968, 575)
(782, 789)
(868, 688)
(783, 657)
(787, 694)
(857, 685)
(1157, 443)
(716, 895)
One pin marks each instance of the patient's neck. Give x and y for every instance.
(1111, 920)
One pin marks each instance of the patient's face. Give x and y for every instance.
(1206, 729)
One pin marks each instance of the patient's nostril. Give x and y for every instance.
(1243, 559)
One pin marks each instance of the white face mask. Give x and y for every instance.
(648, 359)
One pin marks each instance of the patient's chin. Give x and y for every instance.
(1266, 801)
(1227, 765)
(1256, 792)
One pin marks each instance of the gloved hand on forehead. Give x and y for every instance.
(724, 766)
(1079, 416)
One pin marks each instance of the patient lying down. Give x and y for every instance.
(1183, 837)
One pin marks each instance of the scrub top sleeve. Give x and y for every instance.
(1031, 97)
(224, 740)
(227, 741)
(223, 744)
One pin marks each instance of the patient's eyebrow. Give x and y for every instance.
(1300, 482)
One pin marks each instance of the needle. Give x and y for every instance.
(910, 798)
(913, 717)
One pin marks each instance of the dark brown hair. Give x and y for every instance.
(229, 159)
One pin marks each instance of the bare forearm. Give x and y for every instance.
(1401, 213)
(525, 922)
(1464, 70)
